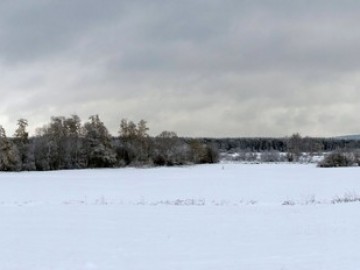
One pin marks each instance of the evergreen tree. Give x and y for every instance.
(98, 145)
(9, 155)
(25, 149)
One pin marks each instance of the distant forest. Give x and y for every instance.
(304, 144)
(67, 143)
(294, 147)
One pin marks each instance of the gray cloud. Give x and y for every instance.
(201, 68)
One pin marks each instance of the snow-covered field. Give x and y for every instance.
(224, 216)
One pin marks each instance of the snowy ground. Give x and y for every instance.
(224, 216)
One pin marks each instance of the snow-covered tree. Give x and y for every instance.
(26, 150)
(135, 143)
(98, 145)
(9, 154)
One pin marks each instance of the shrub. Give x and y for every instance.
(346, 198)
(270, 156)
(338, 159)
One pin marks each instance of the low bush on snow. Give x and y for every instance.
(338, 159)
(347, 198)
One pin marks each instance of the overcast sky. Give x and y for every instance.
(197, 67)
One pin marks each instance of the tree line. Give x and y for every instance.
(66, 143)
(289, 149)
(303, 144)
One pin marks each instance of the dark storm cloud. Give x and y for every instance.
(214, 68)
